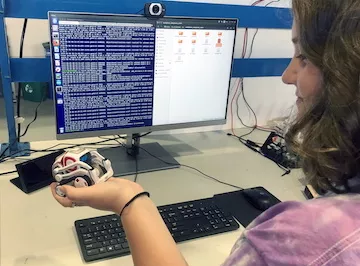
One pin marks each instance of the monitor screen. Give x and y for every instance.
(117, 74)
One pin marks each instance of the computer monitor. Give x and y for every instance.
(120, 74)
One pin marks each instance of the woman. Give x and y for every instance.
(325, 70)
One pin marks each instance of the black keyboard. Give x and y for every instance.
(104, 237)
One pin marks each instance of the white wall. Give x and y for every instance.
(268, 96)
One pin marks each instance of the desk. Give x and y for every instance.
(36, 230)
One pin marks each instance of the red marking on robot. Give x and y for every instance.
(65, 162)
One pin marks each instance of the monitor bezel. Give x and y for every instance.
(120, 131)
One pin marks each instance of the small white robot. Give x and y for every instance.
(81, 168)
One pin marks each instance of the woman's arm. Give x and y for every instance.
(150, 241)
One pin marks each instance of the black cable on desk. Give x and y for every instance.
(7, 173)
(193, 168)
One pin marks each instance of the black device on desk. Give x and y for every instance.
(35, 174)
(276, 150)
(104, 237)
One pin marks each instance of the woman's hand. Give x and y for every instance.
(109, 196)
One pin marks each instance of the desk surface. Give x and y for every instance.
(35, 230)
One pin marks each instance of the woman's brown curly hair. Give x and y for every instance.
(329, 36)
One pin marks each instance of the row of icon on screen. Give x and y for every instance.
(195, 33)
(218, 43)
(56, 51)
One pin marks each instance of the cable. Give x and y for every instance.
(144, 135)
(7, 173)
(35, 117)
(193, 168)
(241, 81)
(18, 85)
(136, 168)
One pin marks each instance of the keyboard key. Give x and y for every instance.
(102, 250)
(114, 236)
(106, 243)
(93, 246)
(107, 237)
(82, 224)
(89, 241)
(99, 222)
(117, 230)
(184, 233)
(100, 238)
(92, 252)
(98, 228)
(220, 225)
(227, 225)
(113, 242)
(83, 230)
(110, 248)
(121, 240)
(114, 219)
(103, 232)
(93, 223)
(97, 234)
(118, 246)
(111, 231)
(113, 225)
(125, 246)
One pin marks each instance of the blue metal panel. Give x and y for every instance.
(38, 69)
(252, 17)
(260, 67)
(30, 69)
(6, 82)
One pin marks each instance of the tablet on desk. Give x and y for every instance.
(35, 174)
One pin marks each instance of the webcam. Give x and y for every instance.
(154, 10)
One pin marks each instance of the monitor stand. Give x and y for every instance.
(123, 158)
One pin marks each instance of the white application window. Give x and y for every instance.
(192, 72)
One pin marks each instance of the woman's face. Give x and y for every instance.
(303, 74)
